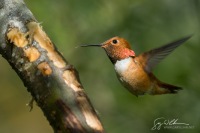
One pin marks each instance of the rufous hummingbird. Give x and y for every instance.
(135, 72)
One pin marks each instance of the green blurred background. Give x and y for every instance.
(146, 24)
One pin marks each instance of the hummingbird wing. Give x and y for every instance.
(153, 57)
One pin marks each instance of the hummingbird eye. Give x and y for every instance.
(114, 41)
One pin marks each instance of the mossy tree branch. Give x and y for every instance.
(51, 80)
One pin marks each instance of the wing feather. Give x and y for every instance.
(153, 57)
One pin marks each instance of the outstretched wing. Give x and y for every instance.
(153, 57)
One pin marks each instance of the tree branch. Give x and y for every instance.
(51, 80)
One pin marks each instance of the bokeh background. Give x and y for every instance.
(146, 24)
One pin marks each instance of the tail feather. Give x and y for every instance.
(170, 88)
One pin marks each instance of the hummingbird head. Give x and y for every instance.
(116, 48)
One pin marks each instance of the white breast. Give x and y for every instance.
(122, 65)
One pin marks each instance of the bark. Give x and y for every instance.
(52, 81)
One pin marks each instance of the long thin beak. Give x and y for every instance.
(94, 45)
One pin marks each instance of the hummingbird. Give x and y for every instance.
(135, 72)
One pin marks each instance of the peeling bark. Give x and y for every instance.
(51, 80)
